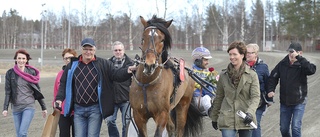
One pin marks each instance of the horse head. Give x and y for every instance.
(156, 40)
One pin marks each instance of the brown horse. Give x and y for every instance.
(157, 92)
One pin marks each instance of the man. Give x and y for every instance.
(121, 91)
(262, 70)
(202, 97)
(292, 72)
(86, 87)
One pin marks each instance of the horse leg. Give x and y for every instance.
(181, 115)
(161, 122)
(170, 125)
(141, 123)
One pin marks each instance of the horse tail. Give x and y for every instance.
(194, 122)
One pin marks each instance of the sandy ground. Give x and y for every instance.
(270, 122)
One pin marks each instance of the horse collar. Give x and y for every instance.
(147, 84)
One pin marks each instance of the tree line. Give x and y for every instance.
(273, 25)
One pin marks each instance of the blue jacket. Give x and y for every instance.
(263, 74)
(107, 74)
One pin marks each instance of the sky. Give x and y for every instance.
(31, 9)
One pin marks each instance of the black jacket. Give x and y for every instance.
(11, 89)
(107, 74)
(121, 89)
(293, 80)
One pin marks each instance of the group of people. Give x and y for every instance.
(245, 85)
(83, 89)
(93, 81)
(90, 89)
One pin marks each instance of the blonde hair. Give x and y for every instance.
(254, 46)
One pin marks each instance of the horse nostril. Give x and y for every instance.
(146, 66)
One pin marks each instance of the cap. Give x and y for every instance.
(296, 46)
(88, 41)
(201, 52)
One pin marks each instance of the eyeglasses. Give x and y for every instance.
(90, 50)
(251, 52)
(67, 58)
(117, 50)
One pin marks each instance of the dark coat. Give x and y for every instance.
(11, 89)
(121, 89)
(293, 80)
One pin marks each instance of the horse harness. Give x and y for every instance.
(144, 86)
(139, 60)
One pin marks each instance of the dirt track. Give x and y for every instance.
(270, 122)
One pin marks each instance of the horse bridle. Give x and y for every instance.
(152, 33)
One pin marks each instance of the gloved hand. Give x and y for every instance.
(214, 125)
(248, 119)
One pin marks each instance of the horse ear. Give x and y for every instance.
(144, 22)
(168, 23)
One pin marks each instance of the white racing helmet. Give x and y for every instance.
(201, 52)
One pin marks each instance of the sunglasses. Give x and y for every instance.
(117, 50)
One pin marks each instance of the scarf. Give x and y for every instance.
(118, 63)
(251, 63)
(235, 75)
(26, 76)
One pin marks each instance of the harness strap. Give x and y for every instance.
(144, 91)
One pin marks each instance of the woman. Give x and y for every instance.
(262, 70)
(21, 90)
(237, 89)
(64, 122)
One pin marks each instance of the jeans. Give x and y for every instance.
(87, 121)
(233, 133)
(22, 121)
(294, 113)
(65, 123)
(111, 120)
(259, 114)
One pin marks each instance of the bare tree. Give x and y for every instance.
(242, 19)
(198, 7)
(225, 22)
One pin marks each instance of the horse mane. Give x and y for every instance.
(160, 24)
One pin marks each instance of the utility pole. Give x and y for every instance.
(42, 14)
(69, 27)
(264, 27)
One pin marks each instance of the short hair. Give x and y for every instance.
(117, 43)
(68, 50)
(22, 51)
(240, 46)
(254, 46)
